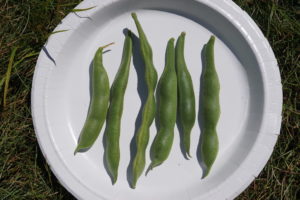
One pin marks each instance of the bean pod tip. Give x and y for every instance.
(212, 39)
(76, 150)
(129, 33)
(188, 155)
(205, 173)
(105, 46)
(79, 148)
(152, 165)
(114, 180)
(133, 14)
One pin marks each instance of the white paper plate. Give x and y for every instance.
(251, 97)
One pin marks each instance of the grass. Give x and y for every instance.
(25, 26)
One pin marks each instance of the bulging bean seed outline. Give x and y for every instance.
(186, 95)
(115, 110)
(211, 108)
(98, 103)
(148, 114)
(166, 110)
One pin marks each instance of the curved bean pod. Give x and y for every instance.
(148, 114)
(186, 96)
(211, 108)
(115, 110)
(166, 110)
(98, 104)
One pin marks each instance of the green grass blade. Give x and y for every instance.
(68, 4)
(55, 32)
(7, 76)
(270, 20)
(24, 57)
(83, 9)
(16, 73)
(1, 83)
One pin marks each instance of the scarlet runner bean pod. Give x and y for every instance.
(166, 109)
(148, 114)
(186, 96)
(98, 104)
(211, 108)
(113, 119)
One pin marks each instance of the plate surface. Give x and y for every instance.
(251, 97)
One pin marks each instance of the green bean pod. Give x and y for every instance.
(186, 95)
(98, 103)
(148, 113)
(115, 110)
(211, 108)
(166, 110)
